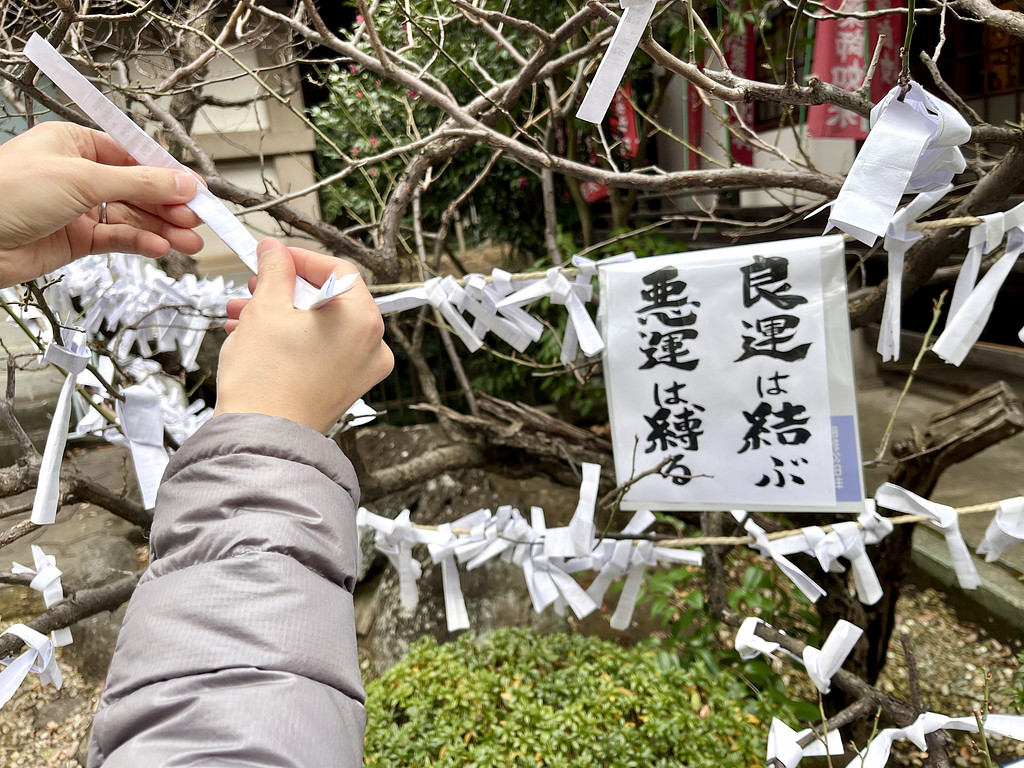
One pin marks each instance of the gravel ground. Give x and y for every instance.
(50, 728)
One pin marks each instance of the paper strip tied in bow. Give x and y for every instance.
(580, 329)
(73, 358)
(784, 745)
(941, 517)
(972, 304)
(635, 16)
(143, 425)
(39, 658)
(898, 239)
(749, 644)
(845, 540)
(1005, 530)
(876, 754)
(769, 548)
(147, 151)
(822, 665)
(913, 146)
(46, 580)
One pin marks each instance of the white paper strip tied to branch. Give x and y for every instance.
(39, 658)
(913, 146)
(822, 665)
(749, 644)
(941, 517)
(984, 239)
(1005, 530)
(898, 239)
(46, 580)
(770, 548)
(971, 308)
(784, 747)
(844, 540)
(73, 358)
(143, 425)
(144, 149)
(876, 754)
(635, 16)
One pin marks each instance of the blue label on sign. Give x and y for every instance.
(846, 459)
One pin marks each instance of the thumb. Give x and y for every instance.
(275, 278)
(142, 184)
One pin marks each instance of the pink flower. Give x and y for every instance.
(359, 94)
(373, 142)
(411, 94)
(359, 19)
(522, 182)
(354, 150)
(352, 68)
(373, 173)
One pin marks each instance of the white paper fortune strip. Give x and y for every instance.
(876, 754)
(770, 548)
(143, 425)
(39, 658)
(749, 644)
(144, 149)
(784, 747)
(972, 307)
(635, 16)
(46, 579)
(823, 664)
(898, 239)
(913, 146)
(1005, 530)
(73, 358)
(943, 518)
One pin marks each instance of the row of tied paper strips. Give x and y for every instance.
(550, 556)
(914, 147)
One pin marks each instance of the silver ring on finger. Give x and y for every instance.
(103, 213)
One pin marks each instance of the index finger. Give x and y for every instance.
(317, 267)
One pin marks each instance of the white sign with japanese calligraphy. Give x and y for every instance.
(732, 368)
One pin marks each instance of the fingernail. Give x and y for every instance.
(185, 183)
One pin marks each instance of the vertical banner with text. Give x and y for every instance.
(733, 368)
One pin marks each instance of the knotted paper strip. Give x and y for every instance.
(144, 149)
(1005, 530)
(39, 658)
(770, 548)
(913, 146)
(970, 311)
(749, 644)
(943, 518)
(823, 664)
(73, 358)
(898, 239)
(143, 426)
(784, 747)
(984, 239)
(876, 754)
(635, 16)
(46, 580)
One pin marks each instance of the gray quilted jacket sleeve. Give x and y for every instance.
(238, 647)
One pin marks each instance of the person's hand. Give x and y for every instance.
(306, 365)
(53, 179)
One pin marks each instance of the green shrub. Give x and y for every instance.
(514, 698)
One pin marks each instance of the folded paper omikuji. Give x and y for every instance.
(635, 16)
(972, 304)
(913, 146)
(46, 580)
(1005, 530)
(39, 658)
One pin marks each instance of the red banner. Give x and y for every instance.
(741, 57)
(841, 54)
(622, 121)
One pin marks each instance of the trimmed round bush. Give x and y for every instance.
(514, 698)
